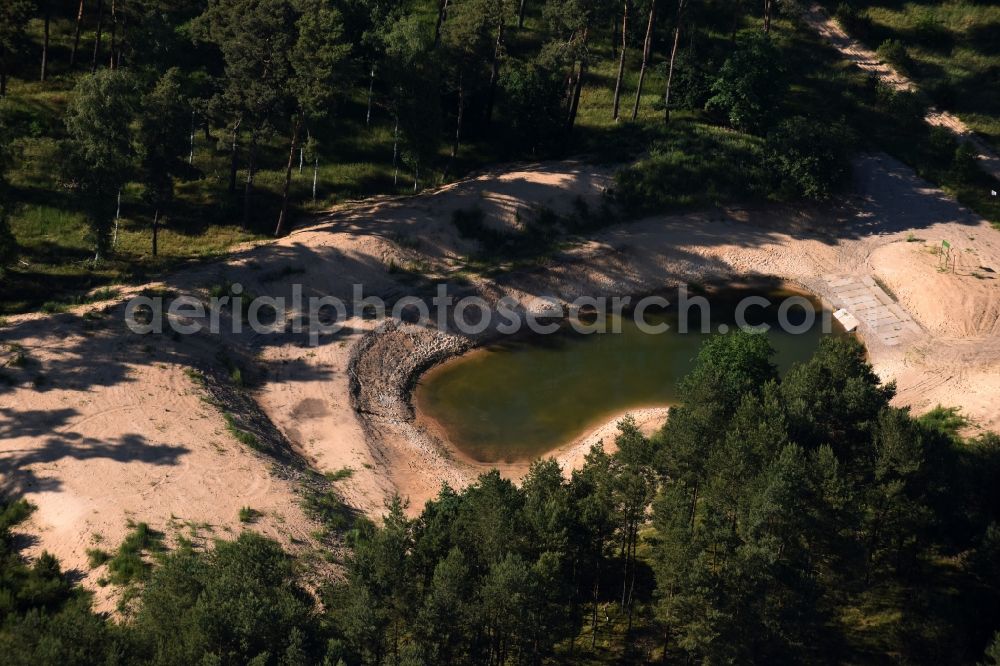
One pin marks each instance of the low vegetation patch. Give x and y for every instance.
(535, 235)
(102, 294)
(130, 563)
(693, 165)
(893, 52)
(249, 515)
(15, 355)
(341, 474)
(241, 435)
(97, 557)
(322, 504)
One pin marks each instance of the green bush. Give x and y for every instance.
(470, 224)
(931, 33)
(906, 107)
(239, 603)
(341, 474)
(128, 565)
(965, 164)
(853, 21)
(942, 144)
(750, 85)
(534, 238)
(45, 618)
(809, 159)
(249, 515)
(893, 52)
(694, 165)
(18, 356)
(944, 93)
(694, 73)
(96, 557)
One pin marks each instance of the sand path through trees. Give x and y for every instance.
(829, 29)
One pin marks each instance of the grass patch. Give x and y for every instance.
(129, 563)
(195, 376)
(18, 356)
(97, 557)
(241, 435)
(249, 515)
(100, 294)
(341, 474)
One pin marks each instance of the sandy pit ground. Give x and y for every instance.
(100, 426)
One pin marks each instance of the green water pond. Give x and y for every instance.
(518, 399)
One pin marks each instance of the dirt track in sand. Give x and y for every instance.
(854, 51)
(118, 430)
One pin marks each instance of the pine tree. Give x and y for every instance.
(466, 49)
(621, 60)
(647, 50)
(162, 141)
(315, 56)
(592, 489)
(834, 398)
(101, 147)
(14, 17)
(443, 623)
(256, 40)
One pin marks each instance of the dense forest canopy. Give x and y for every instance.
(143, 133)
(795, 519)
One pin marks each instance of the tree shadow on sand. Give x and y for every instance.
(19, 468)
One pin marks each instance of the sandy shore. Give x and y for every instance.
(102, 426)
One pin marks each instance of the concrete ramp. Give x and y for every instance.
(870, 309)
